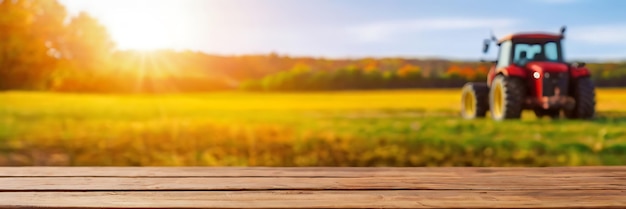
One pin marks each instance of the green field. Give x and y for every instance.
(364, 128)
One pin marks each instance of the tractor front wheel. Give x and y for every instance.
(474, 100)
(585, 97)
(506, 97)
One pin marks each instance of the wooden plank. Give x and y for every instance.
(201, 187)
(148, 172)
(289, 183)
(319, 199)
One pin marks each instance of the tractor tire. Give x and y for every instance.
(554, 114)
(474, 100)
(506, 98)
(584, 94)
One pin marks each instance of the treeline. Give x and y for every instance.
(444, 75)
(611, 74)
(43, 48)
(370, 76)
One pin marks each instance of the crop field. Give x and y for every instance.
(352, 128)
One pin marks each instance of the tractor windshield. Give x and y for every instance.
(546, 52)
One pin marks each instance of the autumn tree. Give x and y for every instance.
(409, 70)
(454, 71)
(31, 33)
(87, 43)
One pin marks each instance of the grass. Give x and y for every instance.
(362, 128)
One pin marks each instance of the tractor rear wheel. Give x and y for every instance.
(585, 97)
(474, 100)
(506, 97)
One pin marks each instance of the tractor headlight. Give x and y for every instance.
(537, 75)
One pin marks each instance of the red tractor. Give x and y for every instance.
(531, 74)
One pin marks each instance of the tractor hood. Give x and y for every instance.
(547, 67)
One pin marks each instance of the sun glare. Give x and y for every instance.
(148, 28)
(147, 25)
(142, 34)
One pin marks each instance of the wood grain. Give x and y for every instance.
(319, 199)
(203, 187)
(288, 183)
(307, 172)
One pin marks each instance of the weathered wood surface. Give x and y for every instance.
(132, 187)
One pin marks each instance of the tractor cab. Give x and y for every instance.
(531, 73)
(520, 49)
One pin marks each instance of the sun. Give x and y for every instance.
(141, 36)
(142, 32)
(147, 28)
(147, 25)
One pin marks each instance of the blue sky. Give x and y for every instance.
(357, 28)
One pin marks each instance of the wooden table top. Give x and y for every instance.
(312, 187)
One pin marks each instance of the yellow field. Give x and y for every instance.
(608, 100)
(355, 128)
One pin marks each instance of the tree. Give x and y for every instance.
(409, 70)
(30, 32)
(468, 73)
(85, 53)
(87, 43)
(454, 71)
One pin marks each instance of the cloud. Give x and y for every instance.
(381, 31)
(601, 34)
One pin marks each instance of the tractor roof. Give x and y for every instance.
(540, 37)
